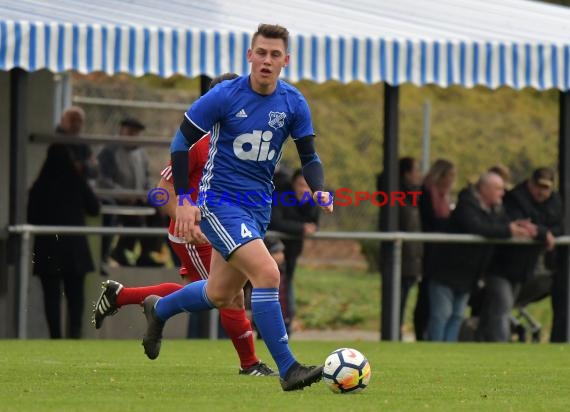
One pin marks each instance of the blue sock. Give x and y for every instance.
(191, 298)
(266, 312)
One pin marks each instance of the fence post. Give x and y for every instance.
(389, 215)
(396, 289)
(25, 245)
(214, 316)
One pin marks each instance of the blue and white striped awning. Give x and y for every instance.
(514, 43)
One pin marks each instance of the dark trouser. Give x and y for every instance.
(127, 242)
(287, 289)
(407, 283)
(421, 312)
(498, 301)
(559, 315)
(108, 221)
(153, 244)
(73, 288)
(148, 243)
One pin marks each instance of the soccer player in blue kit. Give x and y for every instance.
(249, 119)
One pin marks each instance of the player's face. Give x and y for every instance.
(267, 58)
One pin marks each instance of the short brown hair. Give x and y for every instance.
(272, 31)
(222, 78)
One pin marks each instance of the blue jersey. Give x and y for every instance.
(248, 132)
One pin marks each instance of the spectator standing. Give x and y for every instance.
(409, 220)
(61, 196)
(435, 210)
(410, 179)
(71, 125)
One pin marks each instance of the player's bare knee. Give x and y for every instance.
(238, 302)
(268, 276)
(220, 300)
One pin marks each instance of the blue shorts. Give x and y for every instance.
(229, 227)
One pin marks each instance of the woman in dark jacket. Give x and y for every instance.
(435, 210)
(61, 196)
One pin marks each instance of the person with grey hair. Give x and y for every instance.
(457, 267)
(71, 125)
(534, 204)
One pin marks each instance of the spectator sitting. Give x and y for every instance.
(534, 204)
(127, 167)
(457, 267)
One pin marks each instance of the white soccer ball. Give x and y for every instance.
(346, 371)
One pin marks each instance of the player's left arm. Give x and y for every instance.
(304, 136)
(313, 172)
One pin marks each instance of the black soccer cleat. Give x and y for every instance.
(107, 303)
(259, 369)
(153, 336)
(299, 376)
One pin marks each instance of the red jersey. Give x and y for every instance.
(195, 260)
(197, 157)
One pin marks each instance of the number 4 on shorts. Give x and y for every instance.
(245, 231)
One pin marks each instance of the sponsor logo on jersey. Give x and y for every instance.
(254, 146)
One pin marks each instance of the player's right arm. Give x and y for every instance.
(187, 215)
(201, 116)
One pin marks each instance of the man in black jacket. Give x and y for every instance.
(61, 196)
(532, 201)
(456, 267)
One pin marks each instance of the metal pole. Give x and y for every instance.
(396, 289)
(561, 279)
(25, 247)
(389, 213)
(426, 136)
(19, 124)
(213, 329)
(391, 237)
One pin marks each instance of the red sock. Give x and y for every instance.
(238, 327)
(135, 296)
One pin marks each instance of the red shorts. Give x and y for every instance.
(195, 260)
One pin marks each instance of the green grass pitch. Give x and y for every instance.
(202, 375)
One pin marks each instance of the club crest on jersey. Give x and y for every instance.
(277, 119)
